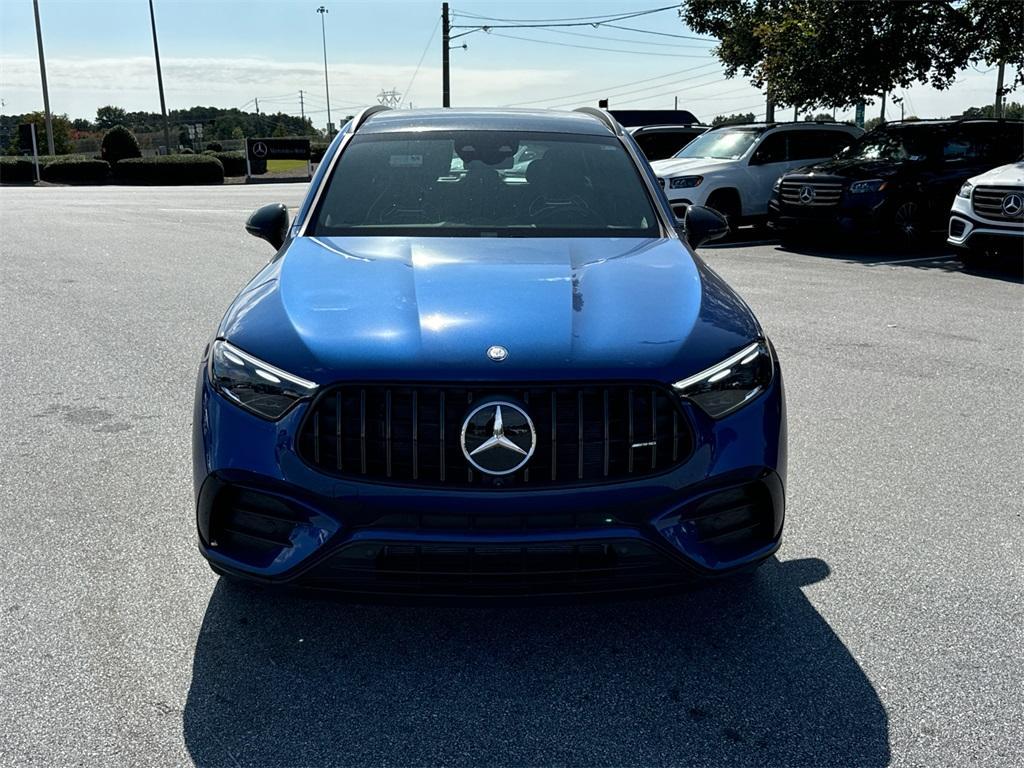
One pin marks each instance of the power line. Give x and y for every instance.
(661, 34)
(624, 98)
(575, 20)
(408, 88)
(612, 88)
(609, 39)
(596, 48)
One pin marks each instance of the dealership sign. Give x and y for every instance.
(258, 151)
(277, 149)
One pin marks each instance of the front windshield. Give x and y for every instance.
(720, 145)
(485, 184)
(887, 145)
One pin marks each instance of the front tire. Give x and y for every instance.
(726, 203)
(908, 225)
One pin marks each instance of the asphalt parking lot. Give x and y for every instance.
(887, 630)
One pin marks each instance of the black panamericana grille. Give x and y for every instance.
(820, 193)
(988, 202)
(411, 434)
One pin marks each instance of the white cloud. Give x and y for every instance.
(78, 86)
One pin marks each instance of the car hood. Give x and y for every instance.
(1004, 175)
(332, 309)
(676, 166)
(852, 169)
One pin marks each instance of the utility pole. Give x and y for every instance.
(882, 113)
(160, 79)
(998, 86)
(46, 92)
(327, 88)
(677, 104)
(446, 86)
(302, 107)
(769, 106)
(796, 111)
(257, 106)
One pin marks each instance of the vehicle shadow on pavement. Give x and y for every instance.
(737, 673)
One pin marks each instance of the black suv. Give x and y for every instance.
(899, 179)
(658, 142)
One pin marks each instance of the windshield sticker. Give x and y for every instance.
(406, 161)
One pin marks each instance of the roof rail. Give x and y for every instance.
(367, 113)
(604, 116)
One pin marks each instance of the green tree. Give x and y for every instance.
(107, 117)
(821, 116)
(747, 117)
(81, 124)
(1013, 110)
(872, 123)
(997, 31)
(832, 53)
(61, 132)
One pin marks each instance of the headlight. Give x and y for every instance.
(258, 387)
(965, 190)
(868, 185)
(723, 388)
(685, 182)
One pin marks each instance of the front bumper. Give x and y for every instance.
(971, 232)
(265, 515)
(862, 213)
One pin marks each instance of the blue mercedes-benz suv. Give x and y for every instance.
(484, 360)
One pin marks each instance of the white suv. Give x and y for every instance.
(988, 214)
(732, 168)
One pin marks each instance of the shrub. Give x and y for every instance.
(215, 146)
(187, 151)
(233, 162)
(14, 170)
(170, 169)
(316, 151)
(119, 143)
(72, 169)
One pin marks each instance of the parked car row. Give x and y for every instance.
(897, 181)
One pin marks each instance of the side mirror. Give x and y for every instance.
(703, 225)
(269, 223)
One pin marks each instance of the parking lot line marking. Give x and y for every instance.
(919, 259)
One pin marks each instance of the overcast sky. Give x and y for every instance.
(226, 53)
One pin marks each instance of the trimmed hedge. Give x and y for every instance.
(316, 151)
(233, 162)
(119, 143)
(170, 169)
(15, 170)
(73, 169)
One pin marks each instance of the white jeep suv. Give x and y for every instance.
(732, 168)
(988, 215)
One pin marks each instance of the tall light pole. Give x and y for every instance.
(42, 72)
(160, 80)
(327, 87)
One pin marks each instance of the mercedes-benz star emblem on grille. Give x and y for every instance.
(1013, 204)
(498, 438)
(497, 353)
(807, 194)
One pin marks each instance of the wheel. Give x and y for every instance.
(908, 223)
(727, 204)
